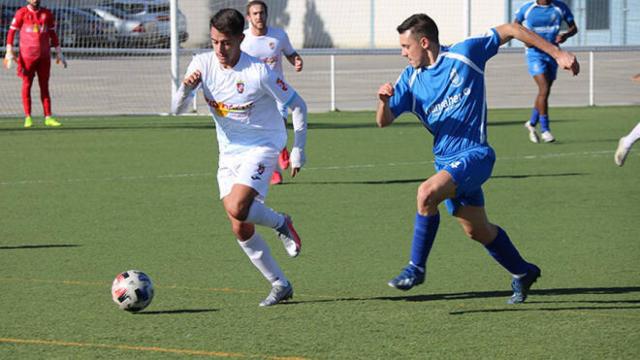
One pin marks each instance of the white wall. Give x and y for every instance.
(348, 22)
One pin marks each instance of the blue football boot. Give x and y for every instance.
(408, 278)
(521, 286)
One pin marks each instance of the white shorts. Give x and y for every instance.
(252, 168)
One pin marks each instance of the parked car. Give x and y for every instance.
(130, 32)
(79, 28)
(157, 11)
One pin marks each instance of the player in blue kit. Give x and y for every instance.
(544, 17)
(445, 88)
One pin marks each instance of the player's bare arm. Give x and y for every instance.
(384, 116)
(296, 60)
(571, 30)
(565, 59)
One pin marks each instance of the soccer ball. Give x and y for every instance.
(132, 290)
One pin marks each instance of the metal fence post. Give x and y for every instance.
(591, 81)
(333, 82)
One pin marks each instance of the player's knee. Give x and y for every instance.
(237, 210)
(427, 199)
(242, 230)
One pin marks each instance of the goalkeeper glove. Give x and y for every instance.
(9, 58)
(60, 57)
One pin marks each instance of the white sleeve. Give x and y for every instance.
(275, 85)
(287, 48)
(299, 119)
(184, 97)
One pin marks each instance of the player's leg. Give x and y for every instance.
(430, 194)
(242, 198)
(237, 205)
(624, 145)
(545, 82)
(44, 71)
(26, 73)
(476, 226)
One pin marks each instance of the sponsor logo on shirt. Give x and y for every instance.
(240, 86)
(271, 60)
(222, 109)
(272, 45)
(449, 102)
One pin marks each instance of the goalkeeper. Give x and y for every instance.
(37, 34)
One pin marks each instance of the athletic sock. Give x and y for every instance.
(544, 123)
(533, 121)
(506, 254)
(424, 233)
(260, 214)
(632, 137)
(260, 255)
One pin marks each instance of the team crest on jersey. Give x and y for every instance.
(456, 80)
(272, 45)
(240, 86)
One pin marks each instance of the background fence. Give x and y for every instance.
(126, 80)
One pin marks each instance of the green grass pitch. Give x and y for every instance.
(102, 195)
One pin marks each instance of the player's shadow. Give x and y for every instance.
(174, 312)
(36, 246)
(418, 180)
(505, 295)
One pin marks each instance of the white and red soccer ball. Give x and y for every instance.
(132, 290)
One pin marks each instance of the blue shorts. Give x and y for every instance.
(469, 170)
(539, 65)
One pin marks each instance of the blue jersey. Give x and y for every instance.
(544, 20)
(449, 96)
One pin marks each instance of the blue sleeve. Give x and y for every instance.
(479, 49)
(520, 13)
(401, 101)
(568, 15)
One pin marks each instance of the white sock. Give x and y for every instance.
(260, 214)
(632, 137)
(258, 252)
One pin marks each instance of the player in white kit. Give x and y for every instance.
(269, 44)
(241, 92)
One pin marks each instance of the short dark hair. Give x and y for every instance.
(420, 25)
(257, 2)
(228, 21)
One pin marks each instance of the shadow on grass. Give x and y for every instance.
(71, 128)
(419, 180)
(500, 294)
(177, 311)
(35, 246)
(515, 308)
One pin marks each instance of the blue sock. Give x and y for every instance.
(424, 232)
(503, 251)
(544, 123)
(534, 117)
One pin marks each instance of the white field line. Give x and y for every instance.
(320, 168)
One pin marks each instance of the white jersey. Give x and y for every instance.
(269, 47)
(242, 101)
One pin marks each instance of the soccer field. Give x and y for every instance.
(81, 203)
